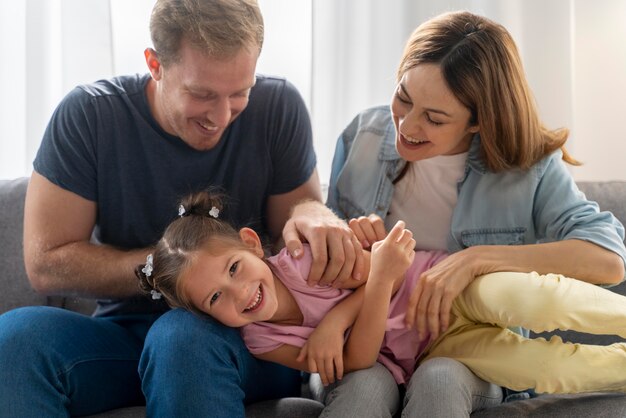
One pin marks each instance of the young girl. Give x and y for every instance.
(205, 265)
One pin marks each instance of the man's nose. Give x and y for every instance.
(220, 114)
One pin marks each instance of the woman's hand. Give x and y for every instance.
(368, 229)
(430, 303)
(323, 351)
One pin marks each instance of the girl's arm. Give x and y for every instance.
(324, 349)
(390, 260)
(287, 355)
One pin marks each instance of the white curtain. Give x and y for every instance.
(341, 54)
(49, 46)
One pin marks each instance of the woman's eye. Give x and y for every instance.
(401, 99)
(432, 122)
(233, 268)
(215, 297)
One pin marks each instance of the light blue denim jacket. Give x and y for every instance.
(514, 207)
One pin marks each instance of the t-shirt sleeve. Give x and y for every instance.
(293, 156)
(67, 155)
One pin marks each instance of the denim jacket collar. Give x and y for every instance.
(475, 159)
(387, 150)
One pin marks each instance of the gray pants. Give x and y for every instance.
(439, 388)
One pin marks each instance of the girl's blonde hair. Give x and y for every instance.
(481, 65)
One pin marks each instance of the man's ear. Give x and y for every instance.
(252, 241)
(154, 65)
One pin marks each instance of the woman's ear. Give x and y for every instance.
(252, 241)
(154, 65)
(474, 128)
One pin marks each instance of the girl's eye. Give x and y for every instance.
(233, 268)
(215, 297)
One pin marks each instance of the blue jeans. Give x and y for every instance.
(54, 362)
(193, 366)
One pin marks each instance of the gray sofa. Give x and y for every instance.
(17, 292)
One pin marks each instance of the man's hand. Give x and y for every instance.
(337, 253)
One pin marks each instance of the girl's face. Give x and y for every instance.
(429, 119)
(234, 285)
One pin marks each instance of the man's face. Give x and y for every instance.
(197, 97)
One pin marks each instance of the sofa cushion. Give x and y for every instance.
(16, 290)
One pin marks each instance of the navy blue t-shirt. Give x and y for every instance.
(103, 144)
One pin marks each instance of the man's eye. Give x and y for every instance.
(215, 297)
(233, 268)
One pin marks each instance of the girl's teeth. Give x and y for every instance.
(256, 300)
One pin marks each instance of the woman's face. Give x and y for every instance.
(429, 119)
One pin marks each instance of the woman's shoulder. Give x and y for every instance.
(373, 119)
(373, 130)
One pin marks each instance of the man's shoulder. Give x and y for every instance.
(116, 86)
(264, 81)
(269, 86)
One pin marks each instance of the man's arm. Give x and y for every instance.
(280, 206)
(58, 256)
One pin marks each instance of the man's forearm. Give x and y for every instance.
(87, 270)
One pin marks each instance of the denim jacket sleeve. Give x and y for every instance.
(561, 211)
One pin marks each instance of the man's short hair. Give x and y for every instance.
(219, 28)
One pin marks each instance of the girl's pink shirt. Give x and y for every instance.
(400, 349)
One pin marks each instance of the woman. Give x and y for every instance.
(464, 159)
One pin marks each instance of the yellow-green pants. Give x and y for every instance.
(478, 337)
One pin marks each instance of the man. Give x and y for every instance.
(116, 156)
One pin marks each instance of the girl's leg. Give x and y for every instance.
(443, 388)
(543, 303)
(369, 392)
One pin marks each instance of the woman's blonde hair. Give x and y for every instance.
(482, 67)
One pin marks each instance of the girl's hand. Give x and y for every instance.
(430, 303)
(368, 229)
(392, 256)
(323, 352)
